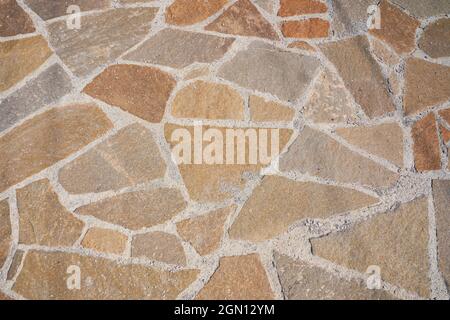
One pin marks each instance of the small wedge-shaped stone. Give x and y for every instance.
(434, 40)
(13, 19)
(128, 158)
(179, 49)
(142, 91)
(427, 152)
(396, 241)
(43, 220)
(52, 9)
(48, 138)
(101, 39)
(5, 231)
(319, 155)
(262, 110)
(137, 210)
(102, 279)
(279, 202)
(105, 240)
(159, 246)
(186, 12)
(18, 58)
(371, 92)
(425, 9)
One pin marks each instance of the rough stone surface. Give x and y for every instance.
(13, 19)
(5, 231)
(186, 12)
(267, 5)
(262, 110)
(382, 53)
(159, 246)
(303, 45)
(426, 144)
(15, 264)
(350, 17)
(308, 28)
(434, 39)
(424, 9)
(52, 9)
(105, 240)
(298, 7)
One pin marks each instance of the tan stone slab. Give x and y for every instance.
(262, 110)
(5, 231)
(48, 138)
(15, 264)
(434, 40)
(203, 71)
(427, 154)
(350, 17)
(4, 297)
(303, 45)
(298, 7)
(267, 5)
(187, 12)
(382, 53)
(308, 28)
(425, 9)
(159, 246)
(13, 19)
(52, 9)
(105, 240)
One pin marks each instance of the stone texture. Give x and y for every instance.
(179, 49)
(382, 53)
(445, 133)
(15, 264)
(262, 110)
(159, 246)
(285, 75)
(13, 19)
(424, 9)
(136, 210)
(18, 58)
(427, 154)
(397, 242)
(302, 45)
(243, 19)
(105, 240)
(308, 28)
(350, 17)
(397, 28)
(317, 154)
(47, 88)
(5, 231)
(434, 40)
(186, 12)
(298, 7)
(48, 138)
(303, 281)
(102, 279)
(206, 100)
(43, 220)
(205, 232)
(445, 115)
(48, 10)
(384, 140)
(4, 297)
(267, 5)
(101, 39)
(203, 71)
(369, 92)
(279, 202)
(238, 278)
(141, 91)
(128, 158)
(418, 97)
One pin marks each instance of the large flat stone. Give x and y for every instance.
(427, 153)
(5, 231)
(434, 40)
(159, 246)
(187, 12)
(262, 110)
(298, 7)
(105, 240)
(424, 9)
(52, 9)
(306, 29)
(13, 19)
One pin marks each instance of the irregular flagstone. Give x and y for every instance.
(128, 158)
(208, 101)
(279, 202)
(15, 264)
(48, 138)
(418, 97)
(13, 19)
(159, 246)
(302, 45)
(238, 278)
(5, 231)
(179, 49)
(297, 7)
(47, 88)
(303, 281)
(52, 9)
(285, 75)
(308, 28)
(101, 39)
(384, 140)
(382, 53)
(43, 220)
(101, 279)
(427, 154)
(142, 91)
(369, 92)
(105, 240)
(205, 232)
(424, 9)
(243, 19)
(350, 17)
(317, 154)
(434, 40)
(396, 241)
(262, 110)
(136, 210)
(397, 28)
(18, 58)
(186, 12)
(267, 5)
(203, 71)
(445, 114)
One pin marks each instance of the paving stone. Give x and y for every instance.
(267, 5)
(445, 134)
(197, 73)
(286, 74)
(5, 231)
(262, 110)
(187, 12)
(238, 278)
(279, 202)
(384, 140)
(317, 154)
(424, 9)
(105, 240)
(302, 45)
(434, 39)
(308, 28)
(298, 7)
(445, 115)
(101, 279)
(47, 88)
(18, 58)
(427, 154)
(13, 19)
(179, 49)
(303, 281)
(369, 92)
(142, 91)
(15, 264)
(396, 241)
(34, 146)
(397, 28)
(243, 19)
(350, 17)
(205, 232)
(102, 38)
(137, 210)
(159, 246)
(382, 53)
(128, 158)
(48, 10)
(206, 100)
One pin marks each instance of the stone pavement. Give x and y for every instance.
(92, 205)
